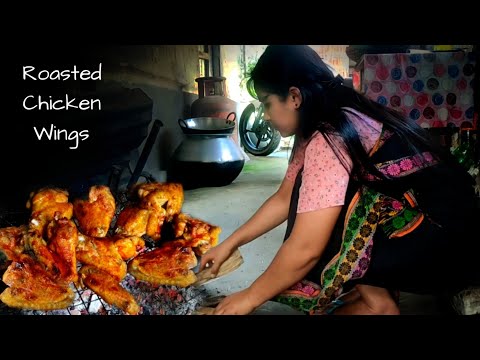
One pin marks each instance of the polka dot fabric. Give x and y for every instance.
(434, 89)
(324, 179)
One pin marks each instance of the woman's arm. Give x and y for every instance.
(272, 213)
(298, 255)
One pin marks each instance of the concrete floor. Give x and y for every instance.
(232, 205)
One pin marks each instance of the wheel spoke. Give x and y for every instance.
(258, 134)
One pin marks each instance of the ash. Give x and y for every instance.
(164, 300)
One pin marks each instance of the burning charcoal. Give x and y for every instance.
(164, 300)
(59, 312)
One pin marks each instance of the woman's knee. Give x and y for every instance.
(378, 300)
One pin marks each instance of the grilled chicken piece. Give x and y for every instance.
(45, 204)
(108, 288)
(31, 287)
(132, 221)
(12, 241)
(62, 237)
(36, 244)
(129, 247)
(202, 245)
(179, 224)
(158, 196)
(157, 202)
(95, 214)
(101, 253)
(200, 235)
(155, 222)
(170, 264)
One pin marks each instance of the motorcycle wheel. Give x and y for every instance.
(262, 142)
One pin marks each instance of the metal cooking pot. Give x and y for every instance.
(208, 155)
(208, 125)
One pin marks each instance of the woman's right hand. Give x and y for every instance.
(216, 256)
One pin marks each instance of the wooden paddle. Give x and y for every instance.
(231, 264)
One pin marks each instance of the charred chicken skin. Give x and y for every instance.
(108, 288)
(170, 264)
(95, 214)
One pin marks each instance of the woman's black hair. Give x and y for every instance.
(324, 100)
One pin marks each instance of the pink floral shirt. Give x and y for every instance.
(324, 179)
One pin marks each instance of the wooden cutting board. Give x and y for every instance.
(232, 263)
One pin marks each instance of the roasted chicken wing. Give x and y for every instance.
(200, 235)
(101, 253)
(31, 287)
(129, 247)
(45, 204)
(157, 203)
(132, 221)
(158, 196)
(95, 214)
(170, 264)
(108, 288)
(12, 241)
(62, 237)
(155, 222)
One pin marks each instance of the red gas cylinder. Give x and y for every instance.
(212, 101)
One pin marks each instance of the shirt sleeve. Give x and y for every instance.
(324, 179)
(296, 163)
